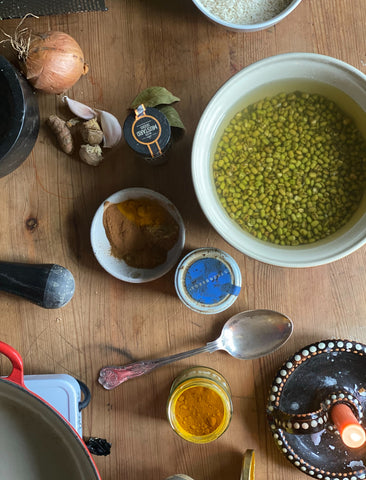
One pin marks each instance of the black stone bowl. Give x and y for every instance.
(19, 118)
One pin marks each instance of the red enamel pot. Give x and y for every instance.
(36, 442)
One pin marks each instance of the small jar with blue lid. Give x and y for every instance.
(208, 280)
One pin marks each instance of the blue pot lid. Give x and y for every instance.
(208, 280)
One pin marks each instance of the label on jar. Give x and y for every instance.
(209, 281)
(148, 132)
(146, 129)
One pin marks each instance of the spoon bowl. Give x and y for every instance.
(255, 333)
(247, 335)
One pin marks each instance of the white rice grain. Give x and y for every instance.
(245, 12)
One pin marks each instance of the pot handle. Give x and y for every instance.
(87, 395)
(17, 374)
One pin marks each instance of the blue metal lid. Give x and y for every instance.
(208, 280)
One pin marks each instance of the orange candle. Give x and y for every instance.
(352, 433)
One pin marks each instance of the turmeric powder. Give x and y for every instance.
(199, 411)
(144, 211)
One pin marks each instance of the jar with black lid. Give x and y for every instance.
(147, 131)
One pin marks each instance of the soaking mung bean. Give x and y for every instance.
(291, 168)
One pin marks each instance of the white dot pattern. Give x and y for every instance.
(285, 372)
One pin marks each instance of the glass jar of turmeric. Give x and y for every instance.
(199, 407)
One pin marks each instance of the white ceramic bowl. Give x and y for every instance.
(117, 267)
(269, 77)
(253, 27)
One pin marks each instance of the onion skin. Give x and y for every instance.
(54, 62)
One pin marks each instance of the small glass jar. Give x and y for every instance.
(202, 383)
(208, 280)
(147, 131)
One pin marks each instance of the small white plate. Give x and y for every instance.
(119, 268)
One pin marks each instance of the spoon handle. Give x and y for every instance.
(111, 377)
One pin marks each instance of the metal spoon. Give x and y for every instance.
(246, 336)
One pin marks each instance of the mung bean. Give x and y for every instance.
(296, 169)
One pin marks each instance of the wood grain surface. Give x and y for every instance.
(48, 203)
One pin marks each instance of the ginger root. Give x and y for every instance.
(91, 154)
(62, 132)
(91, 132)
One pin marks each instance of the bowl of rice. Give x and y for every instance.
(246, 15)
(279, 160)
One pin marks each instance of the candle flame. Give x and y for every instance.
(352, 432)
(353, 436)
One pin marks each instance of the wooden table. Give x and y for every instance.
(48, 204)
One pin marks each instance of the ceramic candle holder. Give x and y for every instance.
(19, 118)
(301, 398)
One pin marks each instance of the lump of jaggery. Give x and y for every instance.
(140, 231)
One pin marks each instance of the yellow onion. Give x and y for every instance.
(54, 62)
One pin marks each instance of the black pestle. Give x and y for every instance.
(46, 285)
